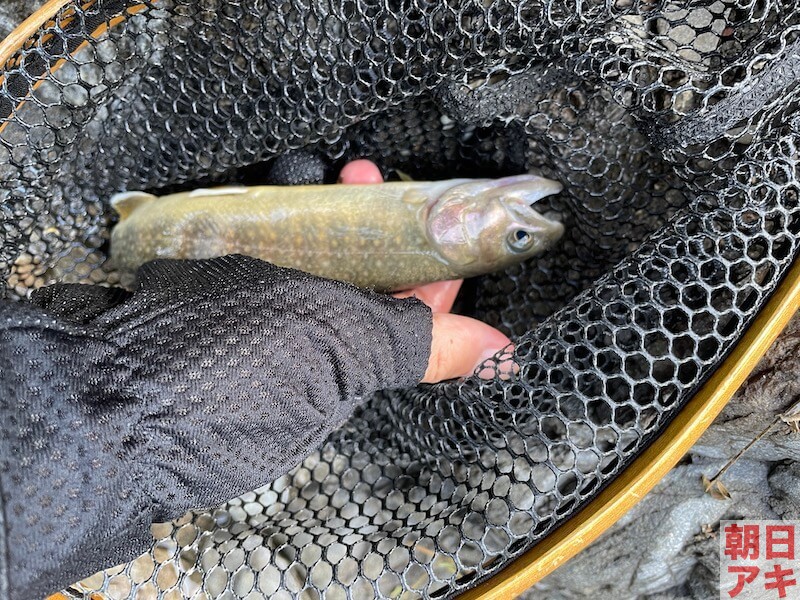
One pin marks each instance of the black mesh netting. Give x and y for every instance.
(671, 124)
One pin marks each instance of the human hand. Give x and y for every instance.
(210, 379)
(459, 344)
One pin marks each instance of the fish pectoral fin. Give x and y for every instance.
(127, 202)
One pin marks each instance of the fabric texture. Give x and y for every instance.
(213, 377)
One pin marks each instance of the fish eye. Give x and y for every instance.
(520, 240)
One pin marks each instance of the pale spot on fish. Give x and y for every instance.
(414, 197)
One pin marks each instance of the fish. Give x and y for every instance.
(388, 236)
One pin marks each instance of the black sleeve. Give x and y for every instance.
(211, 379)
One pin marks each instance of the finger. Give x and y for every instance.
(502, 365)
(439, 296)
(360, 171)
(459, 346)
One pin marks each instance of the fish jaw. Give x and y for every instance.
(528, 189)
(474, 224)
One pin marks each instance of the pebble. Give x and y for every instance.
(83, 270)
(39, 249)
(97, 276)
(23, 259)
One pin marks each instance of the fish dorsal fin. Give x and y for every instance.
(402, 175)
(127, 202)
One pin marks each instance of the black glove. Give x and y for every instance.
(214, 377)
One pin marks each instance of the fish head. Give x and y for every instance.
(483, 225)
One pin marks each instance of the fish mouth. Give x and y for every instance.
(526, 189)
(518, 194)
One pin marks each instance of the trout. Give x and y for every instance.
(387, 236)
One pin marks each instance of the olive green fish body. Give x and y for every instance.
(386, 236)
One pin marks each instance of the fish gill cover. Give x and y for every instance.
(671, 124)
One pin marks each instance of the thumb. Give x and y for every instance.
(459, 345)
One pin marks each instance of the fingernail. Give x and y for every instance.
(497, 362)
(485, 364)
